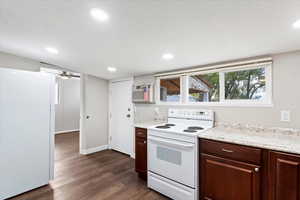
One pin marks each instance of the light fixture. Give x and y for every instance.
(297, 24)
(51, 50)
(99, 14)
(111, 69)
(168, 56)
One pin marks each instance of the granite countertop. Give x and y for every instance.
(284, 140)
(147, 124)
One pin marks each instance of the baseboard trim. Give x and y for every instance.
(66, 131)
(132, 155)
(93, 150)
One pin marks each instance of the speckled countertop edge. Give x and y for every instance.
(285, 141)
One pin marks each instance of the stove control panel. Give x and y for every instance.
(195, 114)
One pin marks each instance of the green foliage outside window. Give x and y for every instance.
(246, 84)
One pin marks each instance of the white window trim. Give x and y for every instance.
(184, 98)
(267, 99)
(157, 89)
(57, 93)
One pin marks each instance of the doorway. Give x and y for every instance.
(121, 137)
(67, 115)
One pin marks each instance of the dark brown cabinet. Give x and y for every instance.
(227, 180)
(284, 176)
(230, 172)
(141, 152)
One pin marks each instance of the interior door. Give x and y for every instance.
(121, 116)
(25, 126)
(93, 114)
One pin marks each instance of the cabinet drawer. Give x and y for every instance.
(231, 151)
(141, 132)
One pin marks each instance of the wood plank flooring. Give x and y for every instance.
(100, 176)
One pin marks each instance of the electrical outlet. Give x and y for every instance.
(285, 116)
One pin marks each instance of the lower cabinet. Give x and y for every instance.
(230, 172)
(237, 172)
(284, 176)
(141, 152)
(224, 179)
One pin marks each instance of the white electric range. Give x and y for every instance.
(173, 153)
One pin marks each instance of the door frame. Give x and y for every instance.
(52, 128)
(131, 79)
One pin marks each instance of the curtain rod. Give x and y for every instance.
(265, 60)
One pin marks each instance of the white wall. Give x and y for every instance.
(67, 112)
(17, 62)
(94, 103)
(286, 96)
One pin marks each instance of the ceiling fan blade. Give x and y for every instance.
(75, 76)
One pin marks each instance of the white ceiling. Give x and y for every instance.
(139, 31)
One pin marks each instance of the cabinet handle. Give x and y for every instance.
(207, 198)
(256, 169)
(227, 151)
(145, 142)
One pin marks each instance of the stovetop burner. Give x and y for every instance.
(189, 131)
(162, 127)
(195, 128)
(169, 124)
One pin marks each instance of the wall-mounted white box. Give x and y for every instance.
(285, 116)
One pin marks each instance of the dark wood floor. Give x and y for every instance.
(103, 175)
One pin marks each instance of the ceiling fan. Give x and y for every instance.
(67, 75)
(59, 71)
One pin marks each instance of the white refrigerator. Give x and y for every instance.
(26, 130)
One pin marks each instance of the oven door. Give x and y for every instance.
(172, 159)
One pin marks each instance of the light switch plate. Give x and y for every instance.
(285, 116)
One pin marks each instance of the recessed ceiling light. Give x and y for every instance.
(99, 14)
(168, 56)
(297, 24)
(51, 50)
(111, 69)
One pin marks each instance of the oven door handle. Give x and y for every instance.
(171, 143)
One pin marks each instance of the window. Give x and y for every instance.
(170, 89)
(204, 87)
(245, 85)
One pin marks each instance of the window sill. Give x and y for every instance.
(219, 104)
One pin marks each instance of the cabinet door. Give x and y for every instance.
(284, 176)
(223, 179)
(141, 155)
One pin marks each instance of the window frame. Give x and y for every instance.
(267, 100)
(187, 87)
(180, 76)
(57, 94)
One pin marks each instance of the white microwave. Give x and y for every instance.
(143, 93)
